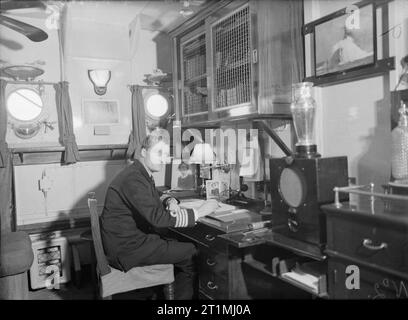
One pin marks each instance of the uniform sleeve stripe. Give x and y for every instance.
(184, 218)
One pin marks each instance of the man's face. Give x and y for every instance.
(157, 156)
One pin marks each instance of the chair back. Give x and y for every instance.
(101, 261)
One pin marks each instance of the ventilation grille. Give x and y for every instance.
(232, 60)
(195, 96)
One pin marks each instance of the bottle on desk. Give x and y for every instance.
(399, 161)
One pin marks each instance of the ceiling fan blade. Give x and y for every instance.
(14, 5)
(33, 33)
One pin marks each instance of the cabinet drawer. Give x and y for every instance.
(373, 284)
(212, 262)
(378, 244)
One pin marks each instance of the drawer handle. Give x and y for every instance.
(211, 262)
(209, 237)
(212, 286)
(293, 225)
(367, 243)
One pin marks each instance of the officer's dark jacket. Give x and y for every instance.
(132, 212)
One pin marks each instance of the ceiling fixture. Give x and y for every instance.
(186, 11)
(31, 32)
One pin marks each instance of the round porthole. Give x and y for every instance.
(24, 105)
(156, 105)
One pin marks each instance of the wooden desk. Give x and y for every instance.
(223, 272)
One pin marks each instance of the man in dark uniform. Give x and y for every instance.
(134, 212)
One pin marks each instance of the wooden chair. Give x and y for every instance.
(113, 281)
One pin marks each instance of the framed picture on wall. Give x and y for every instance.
(99, 111)
(345, 41)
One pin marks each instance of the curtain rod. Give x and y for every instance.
(150, 87)
(30, 82)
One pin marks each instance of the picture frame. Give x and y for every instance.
(216, 189)
(357, 40)
(100, 111)
(340, 46)
(183, 176)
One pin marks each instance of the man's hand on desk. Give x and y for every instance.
(172, 206)
(207, 208)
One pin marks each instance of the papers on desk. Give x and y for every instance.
(303, 279)
(226, 218)
(196, 203)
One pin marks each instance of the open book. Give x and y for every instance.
(196, 203)
(227, 217)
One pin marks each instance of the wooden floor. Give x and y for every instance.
(83, 290)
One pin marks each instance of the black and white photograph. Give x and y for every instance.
(341, 44)
(203, 159)
(183, 176)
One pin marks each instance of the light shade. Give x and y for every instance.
(186, 11)
(100, 79)
(202, 154)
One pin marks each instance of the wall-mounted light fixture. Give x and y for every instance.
(186, 11)
(100, 79)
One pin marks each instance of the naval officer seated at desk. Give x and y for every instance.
(134, 213)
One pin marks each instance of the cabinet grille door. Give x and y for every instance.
(232, 59)
(194, 76)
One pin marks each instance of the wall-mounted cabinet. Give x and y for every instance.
(219, 72)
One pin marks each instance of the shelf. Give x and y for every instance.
(38, 155)
(303, 287)
(195, 79)
(194, 45)
(264, 268)
(250, 117)
(238, 64)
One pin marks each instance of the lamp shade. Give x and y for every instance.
(202, 154)
(100, 79)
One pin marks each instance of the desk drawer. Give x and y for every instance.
(206, 236)
(382, 245)
(212, 262)
(213, 286)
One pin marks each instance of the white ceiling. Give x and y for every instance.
(156, 15)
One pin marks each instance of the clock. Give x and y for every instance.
(299, 186)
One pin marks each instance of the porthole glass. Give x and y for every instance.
(24, 104)
(157, 105)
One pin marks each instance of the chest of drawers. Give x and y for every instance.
(219, 269)
(368, 251)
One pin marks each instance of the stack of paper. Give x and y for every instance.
(196, 203)
(303, 279)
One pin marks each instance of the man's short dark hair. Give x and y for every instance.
(154, 137)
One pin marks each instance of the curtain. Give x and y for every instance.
(6, 167)
(138, 123)
(66, 130)
(296, 40)
(280, 49)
